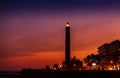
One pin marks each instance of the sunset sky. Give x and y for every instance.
(32, 32)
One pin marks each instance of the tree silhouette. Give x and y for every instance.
(47, 67)
(75, 64)
(55, 66)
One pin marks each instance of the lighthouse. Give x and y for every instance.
(67, 45)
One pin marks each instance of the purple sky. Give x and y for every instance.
(36, 31)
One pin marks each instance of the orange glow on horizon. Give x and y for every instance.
(38, 60)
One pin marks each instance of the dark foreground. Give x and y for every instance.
(65, 74)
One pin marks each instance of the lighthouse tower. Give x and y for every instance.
(67, 45)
